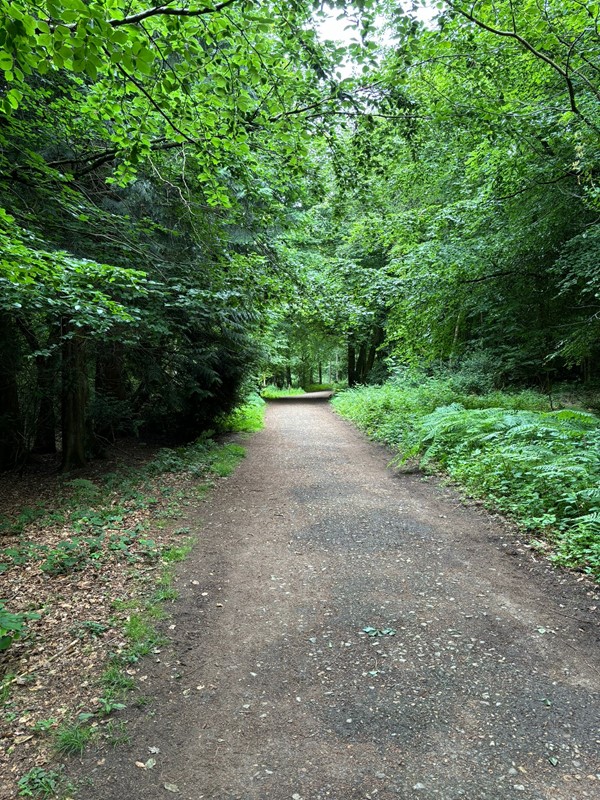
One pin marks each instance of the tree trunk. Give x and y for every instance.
(12, 440)
(74, 403)
(361, 364)
(351, 363)
(377, 340)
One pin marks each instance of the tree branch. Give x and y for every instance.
(158, 11)
(531, 186)
(526, 45)
(153, 102)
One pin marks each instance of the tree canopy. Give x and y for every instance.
(196, 194)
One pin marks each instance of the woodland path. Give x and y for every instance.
(488, 689)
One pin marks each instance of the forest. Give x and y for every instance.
(199, 199)
(206, 201)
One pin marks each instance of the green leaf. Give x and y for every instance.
(14, 97)
(6, 60)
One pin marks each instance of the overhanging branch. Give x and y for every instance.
(163, 10)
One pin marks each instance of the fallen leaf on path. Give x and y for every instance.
(172, 787)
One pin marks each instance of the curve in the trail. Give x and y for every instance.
(347, 633)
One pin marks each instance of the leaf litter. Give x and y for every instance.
(51, 674)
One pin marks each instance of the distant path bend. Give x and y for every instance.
(480, 678)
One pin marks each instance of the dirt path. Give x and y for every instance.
(488, 689)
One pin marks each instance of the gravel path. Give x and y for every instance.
(478, 678)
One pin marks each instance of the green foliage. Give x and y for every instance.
(42, 784)
(226, 459)
(71, 738)
(115, 683)
(273, 392)
(72, 555)
(540, 466)
(101, 532)
(106, 705)
(245, 418)
(89, 628)
(319, 387)
(5, 688)
(116, 733)
(137, 630)
(174, 554)
(13, 625)
(391, 412)
(44, 725)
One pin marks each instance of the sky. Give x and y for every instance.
(344, 31)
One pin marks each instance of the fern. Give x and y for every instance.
(541, 466)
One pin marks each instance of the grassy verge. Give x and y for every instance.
(87, 575)
(246, 418)
(273, 392)
(542, 467)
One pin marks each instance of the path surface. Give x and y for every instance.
(488, 689)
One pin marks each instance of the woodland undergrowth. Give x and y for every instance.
(539, 466)
(87, 573)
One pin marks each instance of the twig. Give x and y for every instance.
(44, 663)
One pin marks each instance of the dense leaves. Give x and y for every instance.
(148, 157)
(195, 193)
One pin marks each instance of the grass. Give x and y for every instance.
(93, 540)
(71, 738)
(176, 553)
(115, 682)
(273, 392)
(6, 689)
(245, 418)
(116, 733)
(542, 467)
(142, 701)
(320, 387)
(226, 459)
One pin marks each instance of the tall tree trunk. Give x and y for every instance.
(351, 363)
(378, 337)
(74, 403)
(455, 340)
(320, 373)
(12, 440)
(361, 364)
